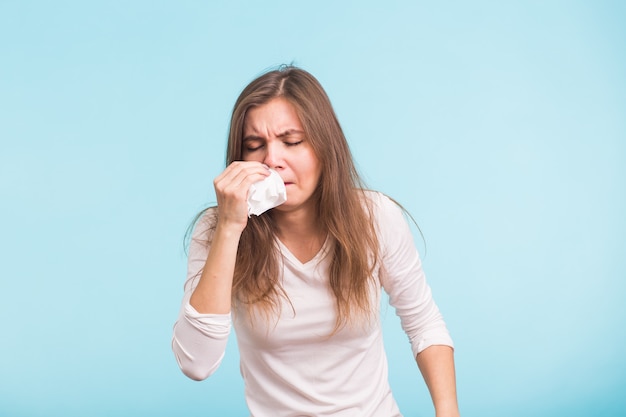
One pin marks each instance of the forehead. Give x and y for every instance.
(277, 115)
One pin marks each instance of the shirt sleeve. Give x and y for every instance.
(404, 281)
(199, 340)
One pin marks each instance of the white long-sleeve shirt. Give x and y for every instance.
(290, 365)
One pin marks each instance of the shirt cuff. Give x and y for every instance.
(215, 325)
(432, 339)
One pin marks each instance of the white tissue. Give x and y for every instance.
(266, 194)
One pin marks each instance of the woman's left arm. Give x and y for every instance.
(437, 366)
(403, 279)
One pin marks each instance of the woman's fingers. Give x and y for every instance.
(232, 187)
(236, 180)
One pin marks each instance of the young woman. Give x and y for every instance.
(301, 283)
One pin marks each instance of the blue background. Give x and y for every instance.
(499, 125)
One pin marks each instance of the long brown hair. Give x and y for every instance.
(343, 210)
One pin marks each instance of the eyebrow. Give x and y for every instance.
(284, 134)
(252, 137)
(289, 132)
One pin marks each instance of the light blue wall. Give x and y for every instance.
(500, 125)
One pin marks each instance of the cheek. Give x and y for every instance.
(315, 171)
(308, 166)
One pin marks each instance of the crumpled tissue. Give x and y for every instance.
(266, 194)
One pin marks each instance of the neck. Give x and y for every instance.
(300, 224)
(301, 232)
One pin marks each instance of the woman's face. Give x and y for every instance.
(273, 135)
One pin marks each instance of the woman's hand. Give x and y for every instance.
(232, 187)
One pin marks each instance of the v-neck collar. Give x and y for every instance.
(295, 261)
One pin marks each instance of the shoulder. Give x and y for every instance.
(389, 220)
(204, 225)
(207, 216)
(382, 207)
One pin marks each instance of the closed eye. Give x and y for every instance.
(293, 143)
(252, 143)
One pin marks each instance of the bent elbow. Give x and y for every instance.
(197, 355)
(194, 368)
(196, 371)
(196, 374)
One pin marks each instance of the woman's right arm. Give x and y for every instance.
(203, 325)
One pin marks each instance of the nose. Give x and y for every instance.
(273, 156)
